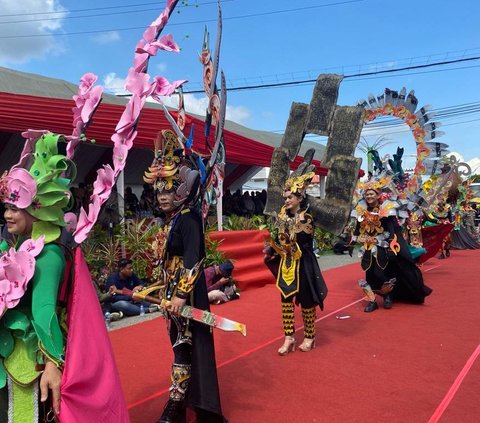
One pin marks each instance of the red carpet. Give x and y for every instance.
(409, 364)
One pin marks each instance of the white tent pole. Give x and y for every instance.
(220, 213)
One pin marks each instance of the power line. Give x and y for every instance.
(378, 72)
(100, 14)
(273, 12)
(448, 112)
(107, 8)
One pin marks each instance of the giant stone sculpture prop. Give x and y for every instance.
(342, 125)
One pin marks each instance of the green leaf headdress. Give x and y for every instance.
(43, 192)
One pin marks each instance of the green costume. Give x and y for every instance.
(30, 332)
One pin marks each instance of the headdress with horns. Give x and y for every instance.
(171, 170)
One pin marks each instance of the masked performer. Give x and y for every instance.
(181, 250)
(291, 259)
(389, 268)
(34, 320)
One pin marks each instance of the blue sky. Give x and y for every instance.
(268, 41)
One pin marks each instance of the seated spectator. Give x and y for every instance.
(105, 302)
(220, 284)
(125, 278)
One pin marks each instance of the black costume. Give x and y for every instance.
(296, 268)
(180, 248)
(389, 267)
(192, 342)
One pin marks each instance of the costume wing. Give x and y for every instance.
(91, 390)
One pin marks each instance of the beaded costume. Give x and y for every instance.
(385, 257)
(293, 262)
(180, 246)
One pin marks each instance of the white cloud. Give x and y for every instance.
(473, 163)
(107, 37)
(194, 105)
(238, 114)
(198, 106)
(38, 18)
(113, 84)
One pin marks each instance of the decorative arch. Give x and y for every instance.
(402, 106)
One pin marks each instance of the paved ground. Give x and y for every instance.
(326, 261)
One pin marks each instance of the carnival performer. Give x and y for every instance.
(389, 268)
(181, 250)
(34, 319)
(290, 256)
(442, 214)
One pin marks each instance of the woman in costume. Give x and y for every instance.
(389, 268)
(33, 351)
(181, 250)
(291, 259)
(43, 307)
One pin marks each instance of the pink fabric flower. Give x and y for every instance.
(34, 134)
(164, 87)
(140, 61)
(33, 247)
(16, 270)
(86, 221)
(138, 83)
(167, 43)
(86, 83)
(18, 188)
(104, 182)
(150, 33)
(86, 102)
(91, 102)
(120, 152)
(31, 136)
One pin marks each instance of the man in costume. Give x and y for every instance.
(181, 251)
(389, 267)
(292, 260)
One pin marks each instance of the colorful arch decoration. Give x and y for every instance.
(402, 106)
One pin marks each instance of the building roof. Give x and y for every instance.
(37, 102)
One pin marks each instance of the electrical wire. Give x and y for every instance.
(185, 4)
(204, 21)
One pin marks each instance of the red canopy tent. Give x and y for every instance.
(19, 112)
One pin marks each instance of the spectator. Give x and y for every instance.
(147, 200)
(248, 204)
(131, 203)
(125, 278)
(259, 203)
(220, 284)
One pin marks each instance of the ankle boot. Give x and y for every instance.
(387, 302)
(174, 412)
(371, 306)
